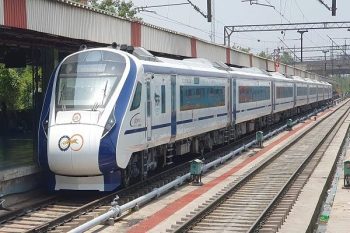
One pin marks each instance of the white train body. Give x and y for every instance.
(109, 116)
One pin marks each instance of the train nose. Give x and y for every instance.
(73, 149)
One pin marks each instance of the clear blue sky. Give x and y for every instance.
(234, 12)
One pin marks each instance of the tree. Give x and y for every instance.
(125, 10)
(286, 58)
(121, 8)
(342, 84)
(264, 55)
(246, 50)
(9, 87)
(16, 87)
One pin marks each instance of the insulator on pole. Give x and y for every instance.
(334, 7)
(209, 10)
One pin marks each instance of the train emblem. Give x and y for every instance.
(75, 142)
(76, 117)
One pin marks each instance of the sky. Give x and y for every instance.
(234, 12)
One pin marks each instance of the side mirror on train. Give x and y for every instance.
(114, 45)
(130, 49)
(83, 47)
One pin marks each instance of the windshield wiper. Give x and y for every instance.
(61, 95)
(104, 92)
(96, 104)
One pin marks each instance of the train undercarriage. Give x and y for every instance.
(144, 162)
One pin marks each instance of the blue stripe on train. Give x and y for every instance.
(206, 117)
(42, 140)
(107, 149)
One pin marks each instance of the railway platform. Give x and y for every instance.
(18, 172)
(305, 213)
(163, 214)
(339, 218)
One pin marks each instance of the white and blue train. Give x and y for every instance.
(109, 116)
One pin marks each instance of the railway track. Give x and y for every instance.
(63, 212)
(261, 200)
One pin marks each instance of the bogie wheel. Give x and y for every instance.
(202, 148)
(126, 176)
(210, 143)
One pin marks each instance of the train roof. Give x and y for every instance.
(249, 72)
(299, 79)
(325, 83)
(279, 76)
(313, 81)
(198, 66)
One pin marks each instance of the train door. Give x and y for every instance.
(173, 107)
(295, 94)
(149, 109)
(229, 102)
(273, 96)
(233, 101)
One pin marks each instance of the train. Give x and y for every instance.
(111, 116)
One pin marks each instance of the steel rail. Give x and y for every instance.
(19, 212)
(116, 211)
(256, 225)
(187, 225)
(109, 198)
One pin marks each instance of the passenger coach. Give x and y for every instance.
(110, 117)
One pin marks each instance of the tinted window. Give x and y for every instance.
(137, 97)
(197, 97)
(301, 91)
(284, 92)
(86, 80)
(163, 98)
(253, 93)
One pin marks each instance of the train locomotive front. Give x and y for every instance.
(82, 115)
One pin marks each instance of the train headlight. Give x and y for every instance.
(45, 126)
(109, 124)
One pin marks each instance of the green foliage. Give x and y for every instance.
(246, 50)
(286, 58)
(125, 10)
(16, 88)
(121, 8)
(264, 55)
(342, 84)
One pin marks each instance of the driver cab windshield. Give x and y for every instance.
(86, 80)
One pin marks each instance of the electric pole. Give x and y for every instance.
(209, 5)
(325, 61)
(332, 58)
(301, 43)
(211, 14)
(334, 7)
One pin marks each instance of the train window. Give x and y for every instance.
(87, 79)
(203, 97)
(313, 90)
(301, 91)
(137, 97)
(253, 93)
(163, 98)
(284, 92)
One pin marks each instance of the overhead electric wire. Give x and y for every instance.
(142, 8)
(290, 21)
(325, 5)
(290, 49)
(306, 19)
(162, 17)
(175, 21)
